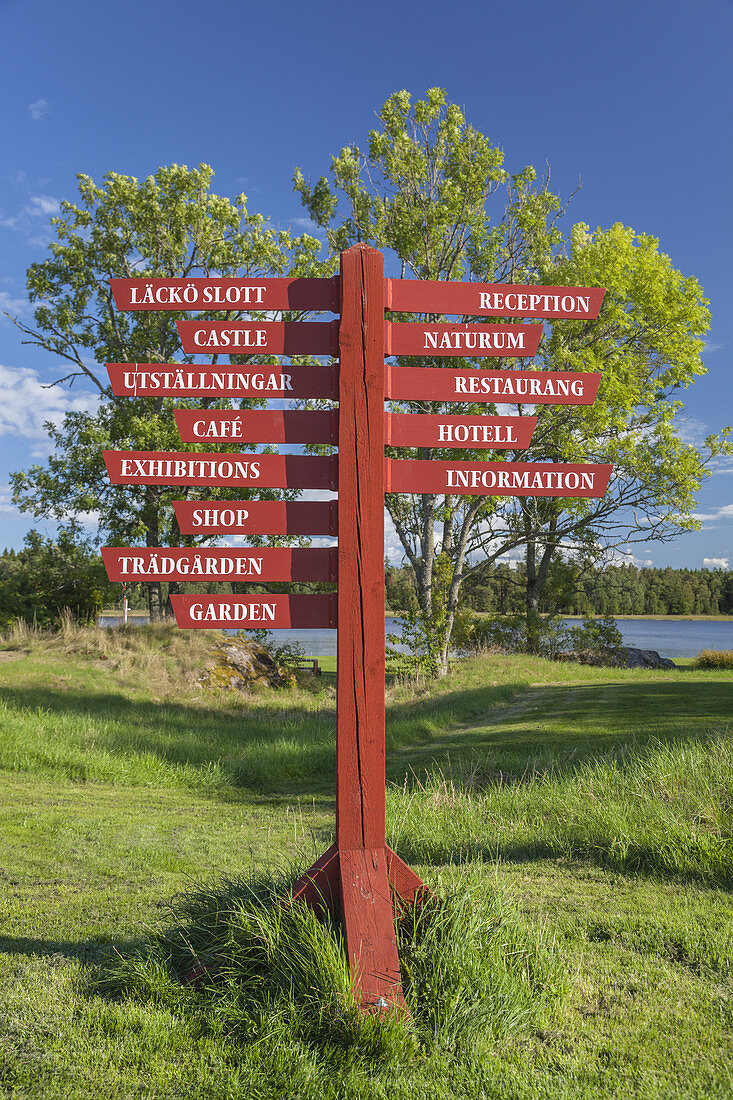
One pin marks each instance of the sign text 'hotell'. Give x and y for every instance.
(436, 430)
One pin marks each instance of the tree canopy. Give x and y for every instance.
(168, 225)
(434, 193)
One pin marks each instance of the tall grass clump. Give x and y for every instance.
(473, 972)
(257, 968)
(713, 658)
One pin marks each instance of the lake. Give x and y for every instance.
(669, 637)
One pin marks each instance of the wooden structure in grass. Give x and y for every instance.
(359, 880)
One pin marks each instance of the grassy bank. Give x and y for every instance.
(581, 816)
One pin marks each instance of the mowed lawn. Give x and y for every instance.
(577, 820)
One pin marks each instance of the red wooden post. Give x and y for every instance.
(357, 876)
(360, 767)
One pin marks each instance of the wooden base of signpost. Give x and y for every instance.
(362, 888)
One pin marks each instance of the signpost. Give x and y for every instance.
(359, 876)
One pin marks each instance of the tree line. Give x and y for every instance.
(615, 590)
(48, 575)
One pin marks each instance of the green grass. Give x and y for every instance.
(576, 823)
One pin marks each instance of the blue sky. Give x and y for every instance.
(632, 97)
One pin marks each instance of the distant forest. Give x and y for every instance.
(47, 575)
(614, 590)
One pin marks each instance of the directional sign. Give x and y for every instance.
(497, 432)
(235, 294)
(249, 612)
(466, 340)
(259, 337)
(191, 468)
(508, 387)
(257, 517)
(493, 299)
(184, 380)
(497, 479)
(214, 564)
(259, 426)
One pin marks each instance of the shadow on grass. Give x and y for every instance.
(490, 734)
(632, 860)
(552, 729)
(87, 952)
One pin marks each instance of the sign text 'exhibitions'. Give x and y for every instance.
(183, 380)
(436, 430)
(234, 294)
(507, 387)
(259, 337)
(497, 479)
(258, 426)
(214, 563)
(493, 299)
(182, 468)
(247, 612)
(411, 338)
(257, 517)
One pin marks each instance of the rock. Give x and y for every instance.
(644, 658)
(239, 663)
(623, 657)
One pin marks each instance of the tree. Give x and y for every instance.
(422, 191)
(646, 344)
(169, 225)
(49, 575)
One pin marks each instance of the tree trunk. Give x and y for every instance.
(532, 599)
(155, 601)
(173, 588)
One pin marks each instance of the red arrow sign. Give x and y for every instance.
(236, 294)
(249, 612)
(496, 432)
(184, 380)
(257, 517)
(191, 468)
(497, 479)
(508, 387)
(260, 426)
(259, 337)
(492, 299)
(467, 340)
(214, 564)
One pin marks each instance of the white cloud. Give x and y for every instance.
(724, 512)
(692, 431)
(39, 109)
(27, 405)
(307, 225)
(708, 348)
(37, 206)
(12, 305)
(716, 563)
(42, 206)
(6, 507)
